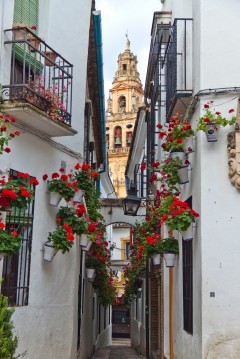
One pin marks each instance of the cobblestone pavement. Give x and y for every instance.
(120, 349)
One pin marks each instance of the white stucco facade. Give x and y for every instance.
(216, 314)
(48, 326)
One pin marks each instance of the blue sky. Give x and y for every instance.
(118, 18)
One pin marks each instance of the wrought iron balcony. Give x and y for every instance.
(177, 67)
(40, 91)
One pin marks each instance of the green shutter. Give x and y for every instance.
(26, 12)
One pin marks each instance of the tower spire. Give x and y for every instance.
(128, 42)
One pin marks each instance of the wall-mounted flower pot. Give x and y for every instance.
(34, 41)
(178, 154)
(49, 252)
(183, 174)
(54, 198)
(52, 56)
(78, 197)
(169, 259)
(84, 240)
(19, 33)
(90, 273)
(212, 132)
(156, 259)
(188, 234)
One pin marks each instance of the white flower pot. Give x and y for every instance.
(188, 234)
(156, 259)
(90, 273)
(169, 259)
(166, 230)
(178, 154)
(49, 252)
(183, 174)
(212, 132)
(78, 197)
(84, 240)
(54, 198)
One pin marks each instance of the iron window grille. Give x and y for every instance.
(16, 269)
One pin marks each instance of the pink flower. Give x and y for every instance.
(98, 241)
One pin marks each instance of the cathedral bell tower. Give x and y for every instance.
(125, 98)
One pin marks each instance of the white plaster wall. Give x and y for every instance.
(218, 230)
(66, 29)
(47, 327)
(219, 50)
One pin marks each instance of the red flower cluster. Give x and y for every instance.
(80, 210)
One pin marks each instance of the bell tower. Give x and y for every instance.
(125, 97)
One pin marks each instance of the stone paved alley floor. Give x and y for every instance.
(120, 349)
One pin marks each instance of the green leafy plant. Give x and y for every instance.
(170, 245)
(177, 133)
(153, 245)
(9, 242)
(178, 215)
(84, 175)
(62, 184)
(16, 192)
(68, 215)
(62, 238)
(6, 135)
(210, 116)
(8, 341)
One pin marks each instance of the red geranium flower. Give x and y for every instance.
(70, 236)
(7, 149)
(55, 175)
(45, 177)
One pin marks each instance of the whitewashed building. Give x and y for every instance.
(193, 60)
(57, 313)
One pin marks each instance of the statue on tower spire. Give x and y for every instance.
(128, 42)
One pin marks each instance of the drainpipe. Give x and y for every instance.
(97, 22)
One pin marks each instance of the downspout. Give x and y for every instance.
(97, 22)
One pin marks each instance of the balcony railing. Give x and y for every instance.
(118, 150)
(39, 76)
(177, 62)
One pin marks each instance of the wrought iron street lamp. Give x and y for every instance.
(132, 202)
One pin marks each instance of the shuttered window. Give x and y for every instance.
(26, 12)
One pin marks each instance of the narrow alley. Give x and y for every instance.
(120, 349)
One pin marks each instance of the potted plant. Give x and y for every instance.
(170, 250)
(174, 171)
(178, 215)
(91, 263)
(211, 121)
(16, 192)
(10, 242)
(175, 136)
(153, 248)
(60, 239)
(84, 175)
(60, 186)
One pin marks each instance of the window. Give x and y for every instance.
(129, 138)
(107, 141)
(124, 67)
(127, 248)
(122, 104)
(16, 269)
(26, 12)
(118, 136)
(187, 283)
